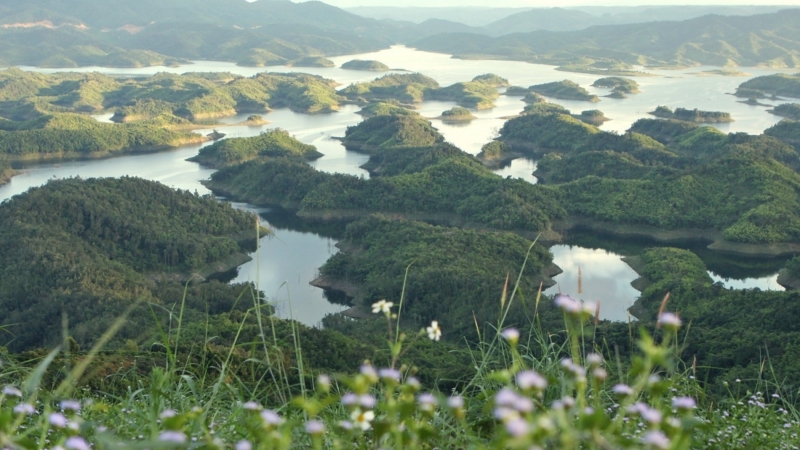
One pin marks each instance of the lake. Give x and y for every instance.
(290, 258)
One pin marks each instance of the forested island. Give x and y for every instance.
(788, 110)
(273, 143)
(479, 93)
(386, 108)
(371, 66)
(565, 90)
(692, 115)
(457, 114)
(311, 61)
(619, 86)
(769, 86)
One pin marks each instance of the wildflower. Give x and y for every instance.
(568, 304)
(594, 359)
(505, 414)
(426, 402)
(382, 307)
(389, 374)
(599, 374)
(656, 439)
(528, 379)
(649, 414)
(505, 397)
(369, 372)
(346, 425)
(362, 419)
(71, 405)
(683, 403)
(349, 399)
(517, 427)
(315, 427)
(24, 408)
(172, 436)
(455, 402)
(244, 445)
(324, 382)
(523, 404)
(670, 321)
(58, 420)
(434, 332)
(413, 382)
(251, 406)
(11, 391)
(167, 414)
(511, 335)
(622, 389)
(270, 417)
(76, 443)
(366, 401)
(589, 308)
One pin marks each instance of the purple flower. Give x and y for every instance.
(568, 304)
(270, 417)
(426, 402)
(167, 413)
(244, 445)
(315, 427)
(683, 403)
(622, 389)
(58, 420)
(523, 404)
(76, 443)
(11, 391)
(369, 372)
(71, 405)
(656, 439)
(176, 437)
(24, 408)
(349, 399)
(346, 425)
(506, 397)
(511, 335)
(366, 401)
(669, 320)
(528, 379)
(389, 374)
(517, 427)
(594, 359)
(251, 406)
(455, 402)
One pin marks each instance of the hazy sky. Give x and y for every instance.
(549, 3)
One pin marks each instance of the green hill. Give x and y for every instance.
(565, 90)
(91, 248)
(371, 66)
(275, 142)
(692, 115)
(386, 108)
(788, 110)
(392, 131)
(770, 85)
(758, 40)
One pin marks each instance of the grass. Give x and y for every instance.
(528, 390)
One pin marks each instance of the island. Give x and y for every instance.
(367, 65)
(275, 142)
(770, 86)
(457, 114)
(565, 90)
(592, 117)
(386, 108)
(619, 86)
(496, 154)
(692, 115)
(788, 110)
(479, 93)
(311, 61)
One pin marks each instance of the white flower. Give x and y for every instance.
(71, 405)
(77, 443)
(656, 439)
(172, 436)
(670, 320)
(382, 307)
(244, 445)
(362, 419)
(167, 414)
(434, 332)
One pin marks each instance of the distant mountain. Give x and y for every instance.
(764, 40)
(146, 32)
(578, 18)
(471, 16)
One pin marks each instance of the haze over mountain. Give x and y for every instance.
(766, 40)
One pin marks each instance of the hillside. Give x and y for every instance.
(119, 33)
(275, 142)
(708, 40)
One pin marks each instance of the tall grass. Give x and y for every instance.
(529, 390)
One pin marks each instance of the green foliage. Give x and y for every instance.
(92, 248)
(405, 88)
(455, 272)
(566, 90)
(457, 113)
(392, 131)
(494, 150)
(785, 130)
(492, 80)
(793, 267)
(618, 84)
(664, 131)
(692, 115)
(275, 142)
(770, 85)
(788, 110)
(358, 64)
(386, 108)
(312, 61)
(472, 94)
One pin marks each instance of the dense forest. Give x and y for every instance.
(275, 142)
(788, 110)
(780, 84)
(565, 90)
(619, 86)
(692, 115)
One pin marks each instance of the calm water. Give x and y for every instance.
(290, 258)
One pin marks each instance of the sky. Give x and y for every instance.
(550, 3)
